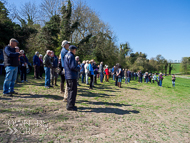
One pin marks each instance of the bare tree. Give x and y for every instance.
(29, 12)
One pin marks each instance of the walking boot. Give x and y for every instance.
(56, 82)
(62, 88)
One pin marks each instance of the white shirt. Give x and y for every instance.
(85, 67)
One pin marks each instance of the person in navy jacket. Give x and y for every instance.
(36, 63)
(23, 66)
(71, 74)
(11, 64)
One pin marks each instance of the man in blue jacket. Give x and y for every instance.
(36, 63)
(11, 64)
(65, 46)
(71, 74)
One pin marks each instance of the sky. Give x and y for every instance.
(149, 26)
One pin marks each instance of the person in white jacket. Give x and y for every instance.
(86, 71)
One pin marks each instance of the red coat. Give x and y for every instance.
(107, 71)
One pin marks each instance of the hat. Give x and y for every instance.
(13, 40)
(65, 42)
(72, 47)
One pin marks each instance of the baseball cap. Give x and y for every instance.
(72, 47)
(64, 43)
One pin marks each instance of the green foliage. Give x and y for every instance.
(185, 65)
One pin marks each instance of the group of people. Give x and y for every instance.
(70, 70)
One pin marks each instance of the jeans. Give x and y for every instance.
(86, 78)
(11, 75)
(113, 76)
(120, 79)
(47, 76)
(83, 75)
(160, 82)
(101, 77)
(173, 83)
(129, 79)
(140, 79)
(146, 80)
(126, 80)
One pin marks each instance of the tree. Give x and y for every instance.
(185, 64)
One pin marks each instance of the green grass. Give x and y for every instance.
(176, 68)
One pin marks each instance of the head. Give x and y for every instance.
(101, 63)
(94, 63)
(128, 69)
(65, 44)
(173, 75)
(36, 53)
(17, 49)
(90, 62)
(13, 42)
(77, 58)
(73, 49)
(41, 56)
(52, 54)
(48, 52)
(87, 61)
(114, 66)
(84, 62)
(22, 52)
(79, 63)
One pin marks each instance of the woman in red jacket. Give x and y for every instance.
(107, 74)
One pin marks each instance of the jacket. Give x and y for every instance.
(70, 66)
(10, 57)
(107, 71)
(23, 59)
(36, 60)
(128, 74)
(91, 70)
(82, 68)
(101, 68)
(47, 61)
(55, 61)
(63, 53)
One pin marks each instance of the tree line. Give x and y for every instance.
(43, 27)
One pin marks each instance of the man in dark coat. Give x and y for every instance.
(11, 64)
(71, 74)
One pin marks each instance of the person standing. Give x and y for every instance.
(36, 63)
(112, 71)
(83, 71)
(118, 74)
(47, 65)
(71, 70)
(125, 74)
(86, 71)
(129, 75)
(54, 74)
(18, 50)
(91, 73)
(41, 65)
(95, 72)
(78, 64)
(11, 64)
(107, 74)
(160, 79)
(65, 46)
(24, 66)
(173, 80)
(101, 70)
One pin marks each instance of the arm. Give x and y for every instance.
(10, 54)
(72, 64)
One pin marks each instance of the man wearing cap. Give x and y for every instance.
(64, 51)
(71, 74)
(11, 64)
(36, 63)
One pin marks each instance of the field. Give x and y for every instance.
(135, 113)
(176, 68)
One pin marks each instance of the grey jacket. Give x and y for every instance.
(101, 68)
(47, 61)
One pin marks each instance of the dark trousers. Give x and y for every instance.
(91, 80)
(101, 77)
(62, 78)
(116, 80)
(36, 71)
(95, 78)
(72, 92)
(23, 73)
(41, 69)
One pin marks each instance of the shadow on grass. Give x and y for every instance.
(90, 94)
(133, 88)
(56, 97)
(107, 110)
(3, 98)
(103, 103)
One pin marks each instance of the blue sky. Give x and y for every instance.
(149, 26)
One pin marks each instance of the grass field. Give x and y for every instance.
(176, 68)
(134, 113)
